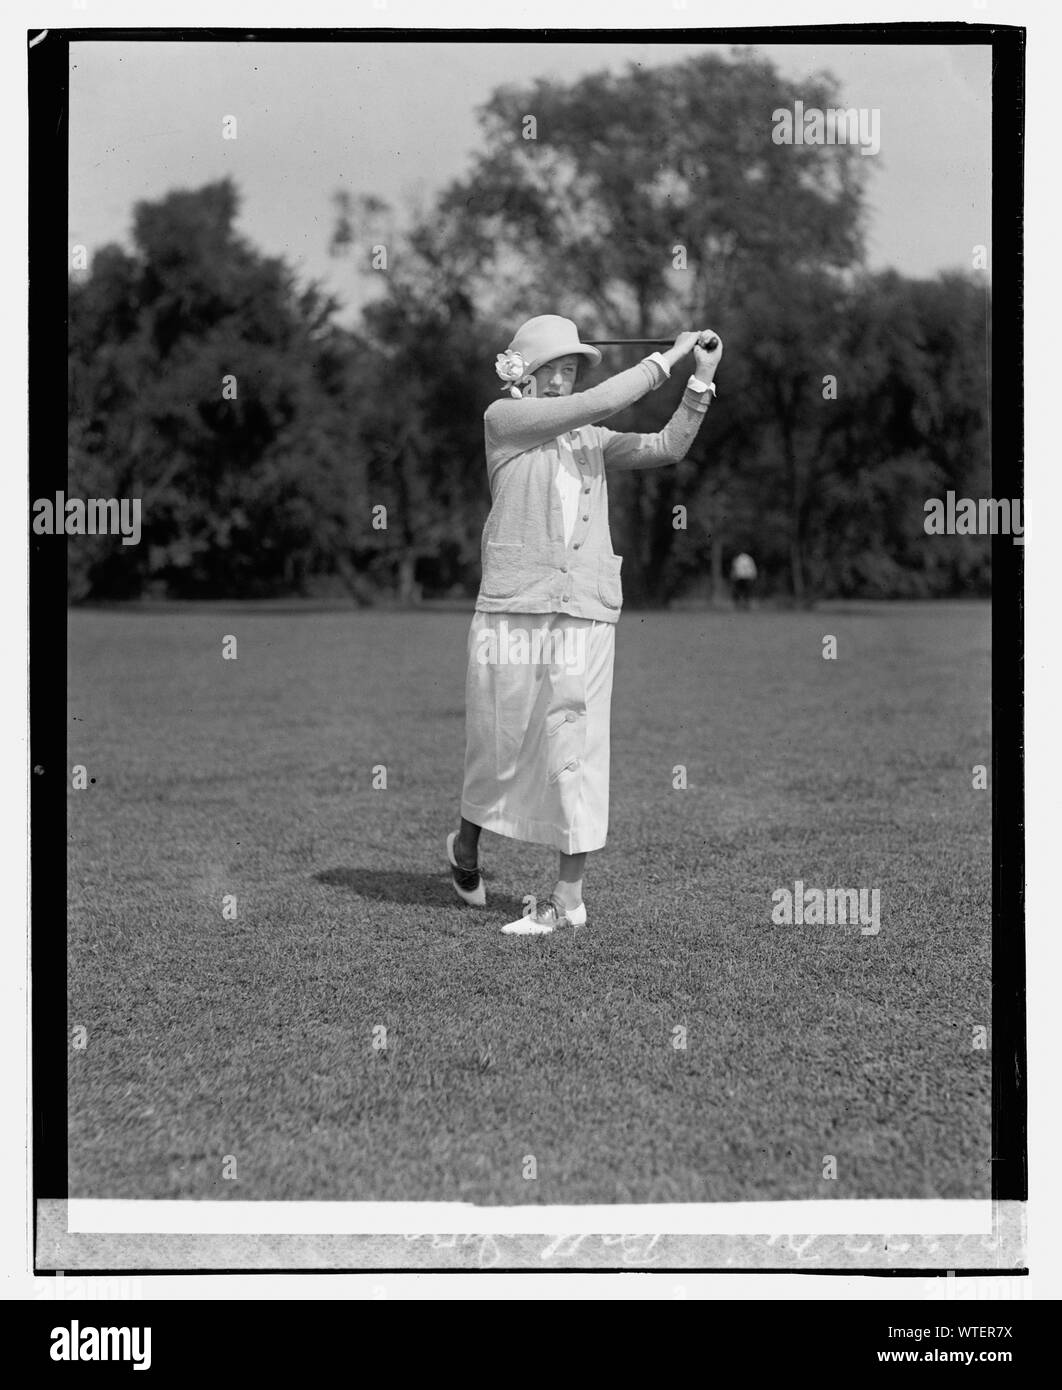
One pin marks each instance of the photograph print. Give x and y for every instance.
(538, 534)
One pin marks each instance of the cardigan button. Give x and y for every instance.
(586, 489)
(586, 516)
(576, 545)
(564, 569)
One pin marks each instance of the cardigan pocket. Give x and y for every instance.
(609, 587)
(503, 569)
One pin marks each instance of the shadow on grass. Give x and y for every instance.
(402, 886)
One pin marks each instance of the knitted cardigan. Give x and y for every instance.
(542, 452)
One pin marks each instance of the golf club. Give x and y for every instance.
(709, 346)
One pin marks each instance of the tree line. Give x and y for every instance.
(269, 443)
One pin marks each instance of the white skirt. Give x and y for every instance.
(538, 699)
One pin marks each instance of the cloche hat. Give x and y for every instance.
(540, 340)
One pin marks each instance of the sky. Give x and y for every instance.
(398, 120)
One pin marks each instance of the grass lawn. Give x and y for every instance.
(209, 1037)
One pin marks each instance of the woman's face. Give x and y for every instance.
(557, 378)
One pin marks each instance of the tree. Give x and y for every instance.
(206, 382)
(910, 422)
(650, 201)
(429, 382)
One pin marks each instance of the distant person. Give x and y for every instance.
(742, 578)
(541, 646)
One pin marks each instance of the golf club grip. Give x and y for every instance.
(709, 346)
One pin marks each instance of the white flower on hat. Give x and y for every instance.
(511, 367)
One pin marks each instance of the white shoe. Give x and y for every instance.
(468, 883)
(546, 918)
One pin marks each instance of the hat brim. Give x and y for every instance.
(592, 354)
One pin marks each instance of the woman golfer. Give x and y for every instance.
(541, 646)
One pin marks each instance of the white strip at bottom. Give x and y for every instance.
(99, 1216)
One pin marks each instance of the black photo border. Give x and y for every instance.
(48, 60)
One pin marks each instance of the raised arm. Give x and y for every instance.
(672, 443)
(669, 445)
(514, 426)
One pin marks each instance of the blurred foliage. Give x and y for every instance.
(274, 491)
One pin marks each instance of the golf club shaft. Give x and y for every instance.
(711, 344)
